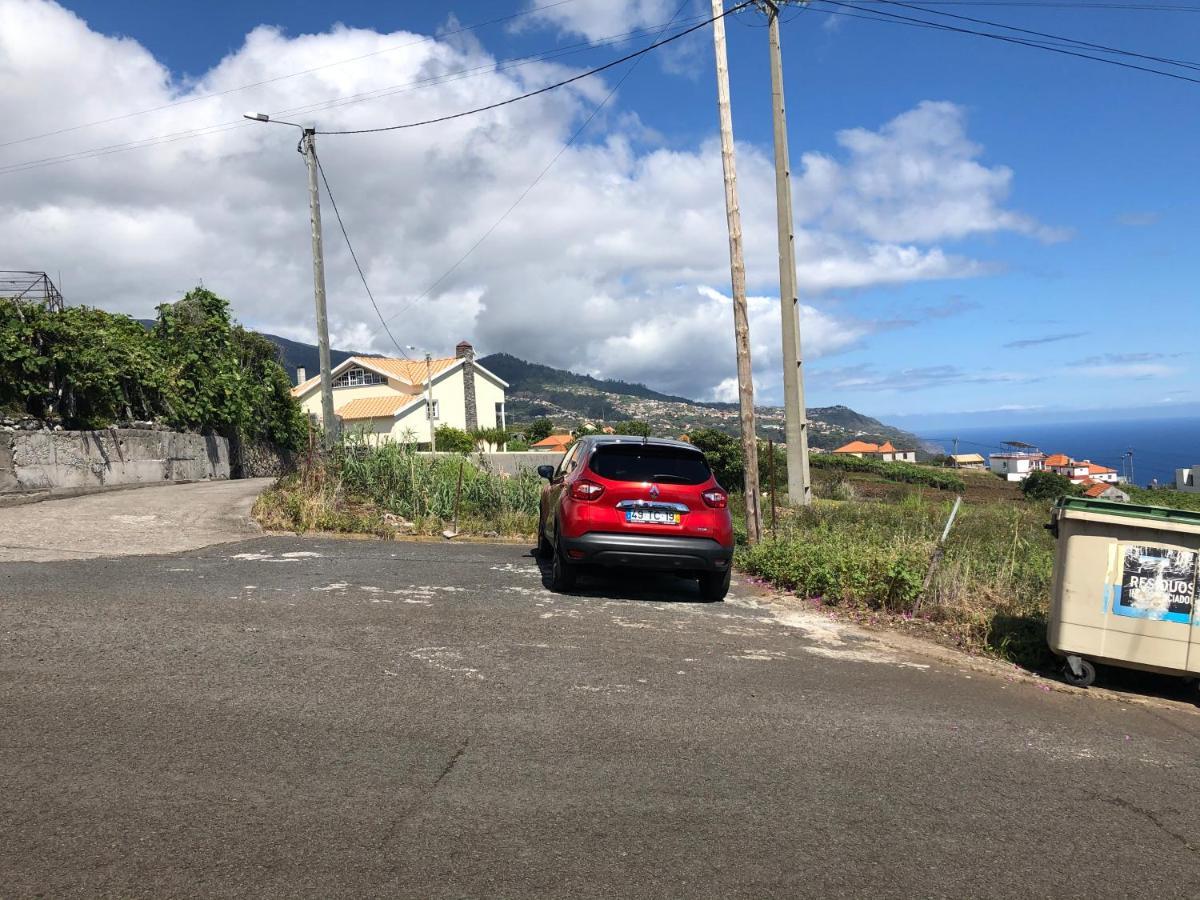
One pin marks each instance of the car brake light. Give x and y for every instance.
(586, 490)
(715, 498)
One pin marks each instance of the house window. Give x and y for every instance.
(435, 411)
(358, 377)
(500, 422)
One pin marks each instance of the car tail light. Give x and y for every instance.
(586, 490)
(716, 498)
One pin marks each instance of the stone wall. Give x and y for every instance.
(71, 461)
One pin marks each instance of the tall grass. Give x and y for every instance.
(360, 483)
(991, 590)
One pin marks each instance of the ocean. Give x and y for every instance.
(1160, 446)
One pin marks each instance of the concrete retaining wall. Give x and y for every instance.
(83, 460)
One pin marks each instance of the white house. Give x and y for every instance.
(388, 398)
(1188, 480)
(1015, 466)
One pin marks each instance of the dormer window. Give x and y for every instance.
(357, 376)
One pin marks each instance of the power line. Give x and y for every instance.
(878, 15)
(366, 96)
(354, 256)
(547, 88)
(1060, 4)
(278, 78)
(1073, 41)
(525, 193)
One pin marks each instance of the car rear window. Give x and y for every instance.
(649, 462)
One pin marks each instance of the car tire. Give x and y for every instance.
(544, 547)
(714, 586)
(562, 574)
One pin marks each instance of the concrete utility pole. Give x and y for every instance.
(429, 401)
(737, 268)
(796, 428)
(309, 143)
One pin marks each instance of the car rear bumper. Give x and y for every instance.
(648, 551)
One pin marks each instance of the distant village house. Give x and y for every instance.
(885, 451)
(390, 398)
(967, 461)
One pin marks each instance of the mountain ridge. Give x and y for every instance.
(570, 399)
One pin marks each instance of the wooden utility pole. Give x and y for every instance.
(737, 269)
(796, 425)
(328, 417)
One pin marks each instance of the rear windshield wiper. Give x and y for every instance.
(667, 477)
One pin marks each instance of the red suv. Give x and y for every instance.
(647, 503)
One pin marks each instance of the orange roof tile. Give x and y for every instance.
(373, 407)
(1096, 489)
(1058, 459)
(555, 441)
(858, 447)
(410, 371)
(1094, 469)
(886, 447)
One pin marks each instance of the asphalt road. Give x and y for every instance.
(296, 718)
(167, 518)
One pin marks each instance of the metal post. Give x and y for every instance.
(796, 426)
(771, 464)
(309, 142)
(429, 401)
(737, 268)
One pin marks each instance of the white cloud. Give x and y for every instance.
(595, 19)
(604, 267)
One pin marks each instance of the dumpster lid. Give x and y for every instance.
(1128, 510)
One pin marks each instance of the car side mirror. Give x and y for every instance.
(546, 472)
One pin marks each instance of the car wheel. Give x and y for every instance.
(562, 574)
(714, 585)
(544, 548)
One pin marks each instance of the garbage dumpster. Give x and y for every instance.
(1124, 588)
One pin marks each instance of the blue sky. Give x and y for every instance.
(1075, 296)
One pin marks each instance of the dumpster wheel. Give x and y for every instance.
(1078, 671)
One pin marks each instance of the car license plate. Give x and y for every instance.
(652, 516)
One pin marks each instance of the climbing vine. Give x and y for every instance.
(193, 370)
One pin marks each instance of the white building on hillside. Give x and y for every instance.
(388, 398)
(1015, 466)
(1188, 480)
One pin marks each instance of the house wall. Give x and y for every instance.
(448, 392)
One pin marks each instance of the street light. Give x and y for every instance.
(308, 147)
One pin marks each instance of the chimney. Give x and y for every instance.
(301, 375)
(466, 353)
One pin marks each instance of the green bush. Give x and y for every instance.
(449, 439)
(195, 370)
(539, 430)
(1048, 486)
(724, 454)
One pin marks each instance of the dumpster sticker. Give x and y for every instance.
(1157, 583)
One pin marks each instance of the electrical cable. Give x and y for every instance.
(895, 18)
(278, 78)
(1055, 37)
(354, 256)
(547, 88)
(525, 193)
